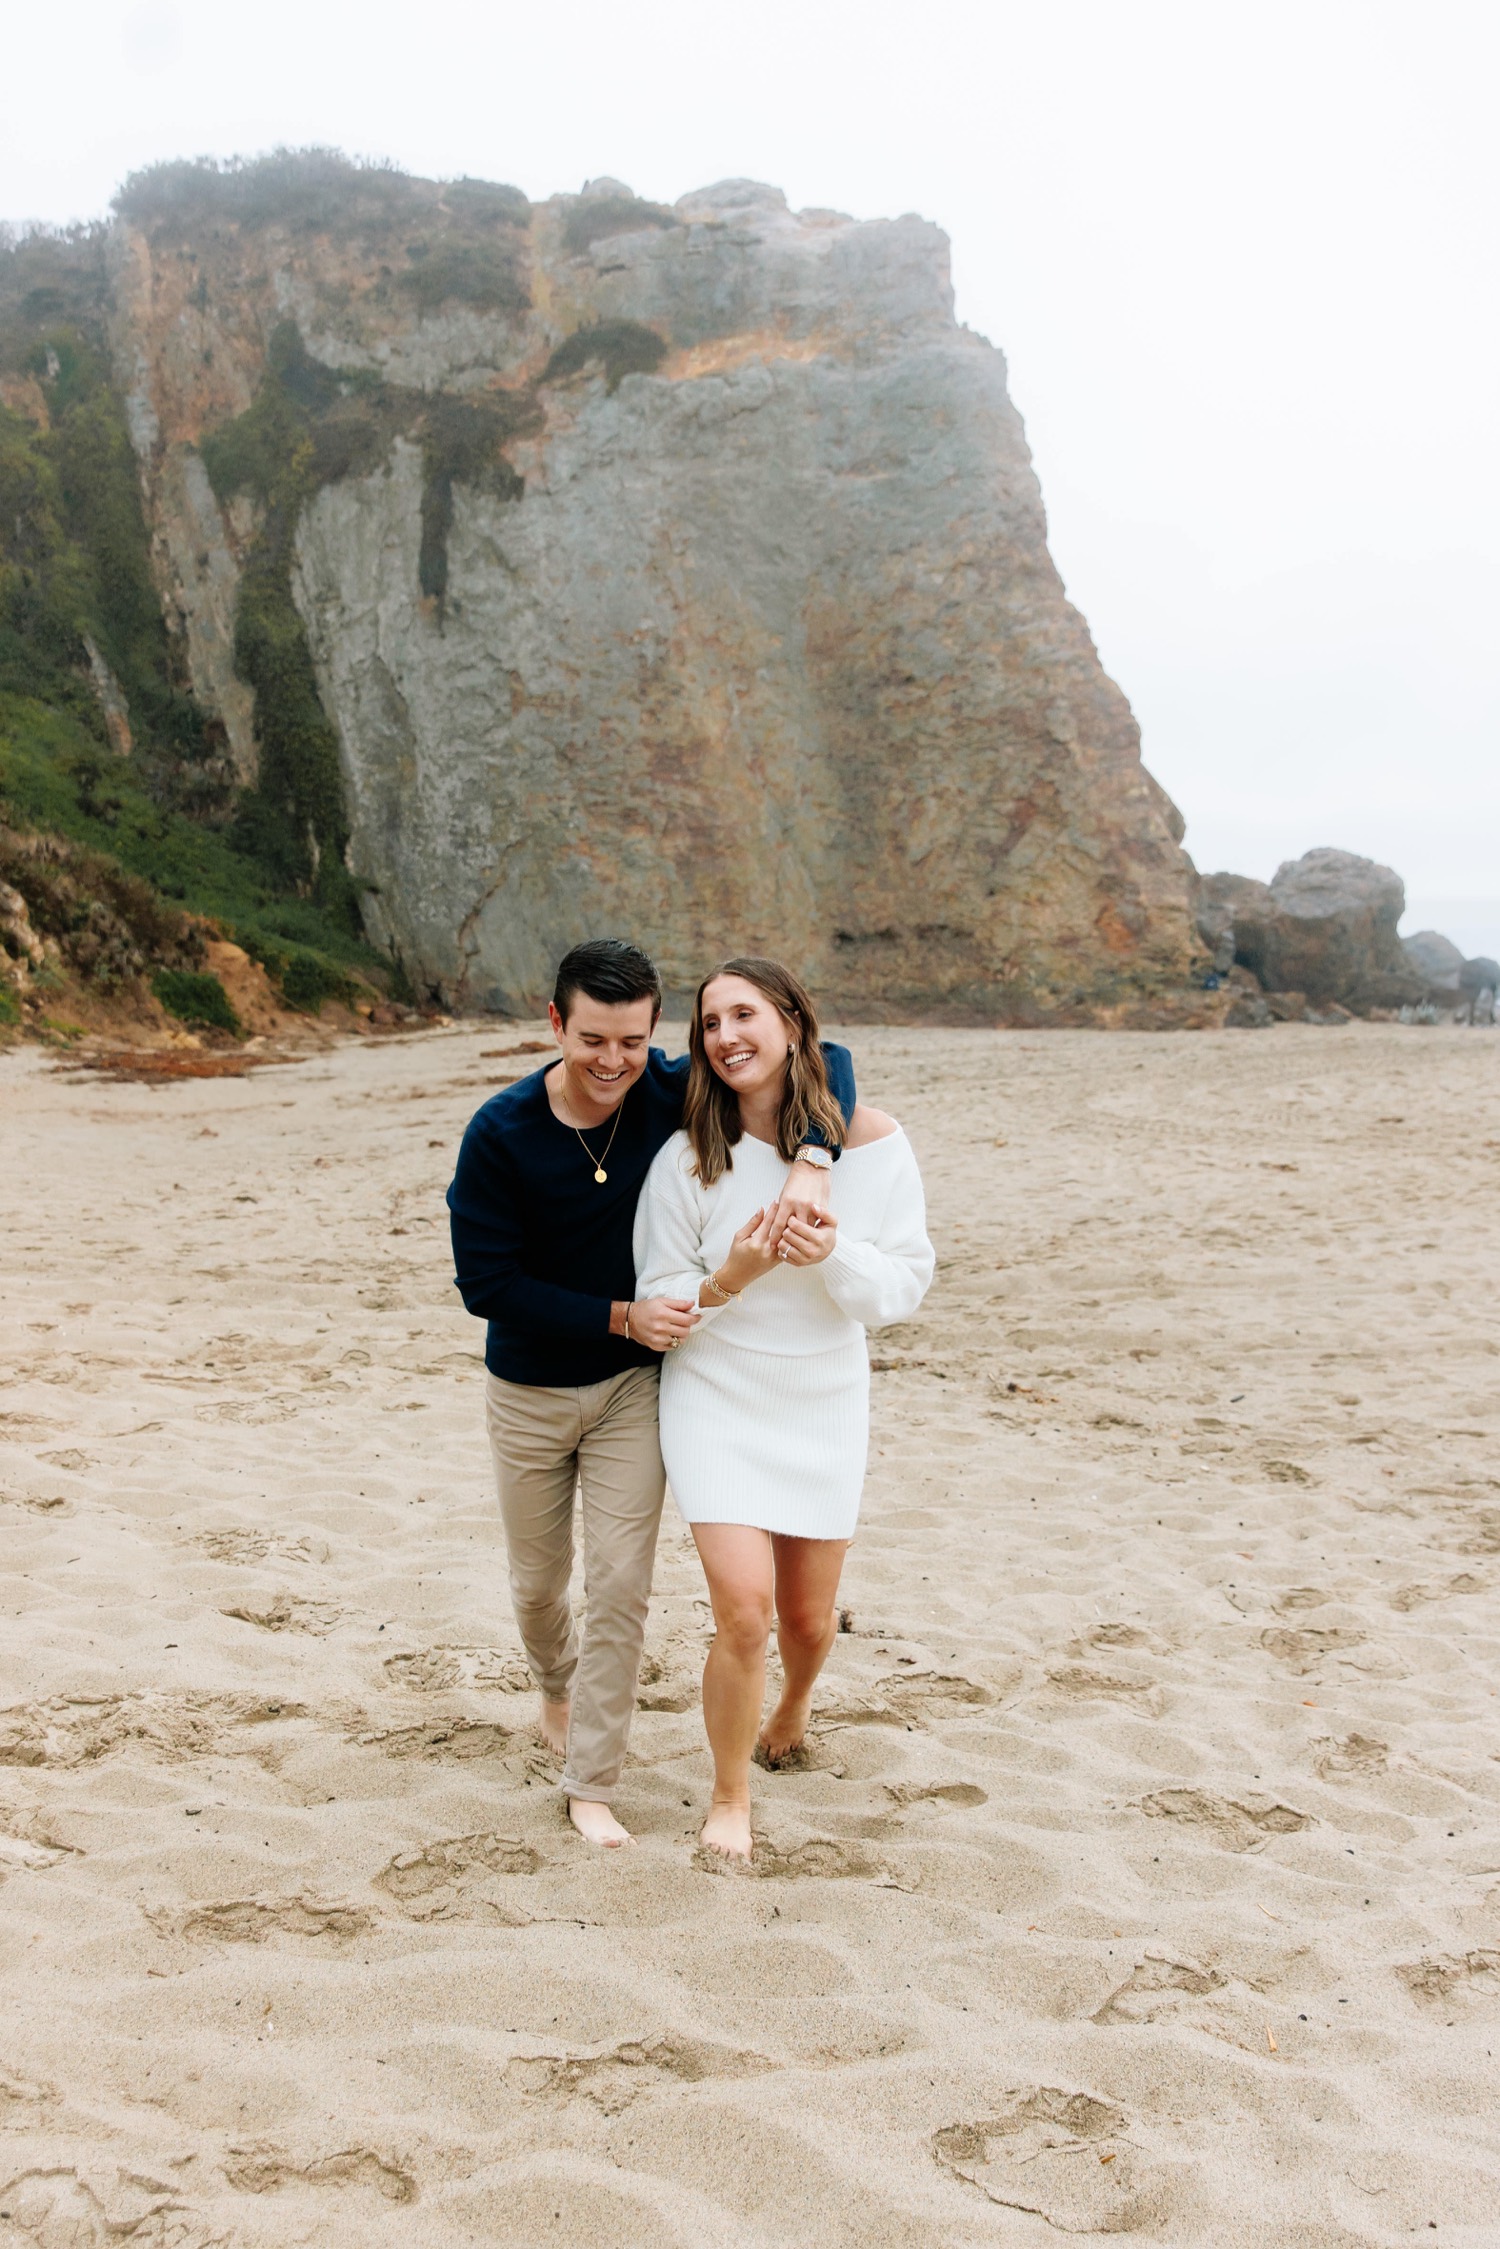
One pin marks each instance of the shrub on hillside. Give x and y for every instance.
(196, 997)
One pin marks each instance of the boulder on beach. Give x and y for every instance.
(1324, 926)
(1436, 959)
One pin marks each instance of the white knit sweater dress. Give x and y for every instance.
(765, 1409)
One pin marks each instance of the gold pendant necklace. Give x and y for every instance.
(600, 1174)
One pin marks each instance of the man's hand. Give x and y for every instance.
(661, 1321)
(804, 1196)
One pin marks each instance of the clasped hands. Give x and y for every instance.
(798, 1229)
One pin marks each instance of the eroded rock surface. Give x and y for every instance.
(1323, 928)
(748, 636)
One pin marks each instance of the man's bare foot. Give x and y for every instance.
(596, 1823)
(553, 1726)
(784, 1731)
(727, 1831)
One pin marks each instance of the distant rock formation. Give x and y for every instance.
(1324, 927)
(1436, 959)
(603, 566)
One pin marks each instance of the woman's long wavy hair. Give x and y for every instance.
(711, 1111)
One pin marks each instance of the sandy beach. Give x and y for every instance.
(1145, 1875)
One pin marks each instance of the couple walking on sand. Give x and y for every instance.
(677, 1261)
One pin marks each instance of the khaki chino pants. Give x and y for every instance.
(602, 1443)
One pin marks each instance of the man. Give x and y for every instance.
(542, 1211)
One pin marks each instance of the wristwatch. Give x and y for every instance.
(819, 1158)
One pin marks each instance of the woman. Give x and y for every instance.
(765, 1406)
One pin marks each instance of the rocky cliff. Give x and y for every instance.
(603, 566)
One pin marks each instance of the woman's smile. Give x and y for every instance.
(745, 1037)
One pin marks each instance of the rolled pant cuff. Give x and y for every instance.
(587, 1791)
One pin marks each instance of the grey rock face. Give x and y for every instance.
(770, 653)
(1437, 960)
(1227, 903)
(1324, 927)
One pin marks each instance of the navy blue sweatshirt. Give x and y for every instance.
(542, 1251)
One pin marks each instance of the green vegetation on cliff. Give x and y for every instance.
(85, 656)
(102, 744)
(620, 347)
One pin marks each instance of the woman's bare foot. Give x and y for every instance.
(553, 1726)
(784, 1731)
(727, 1831)
(596, 1823)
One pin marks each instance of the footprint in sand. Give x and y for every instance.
(255, 1546)
(1238, 1824)
(1153, 1986)
(1305, 1648)
(453, 1880)
(1446, 1977)
(19, 1854)
(1355, 1753)
(446, 1740)
(1117, 1636)
(614, 2076)
(1083, 1682)
(938, 1796)
(435, 1670)
(819, 1859)
(19, 2092)
(1059, 2156)
(256, 1413)
(908, 1699)
(254, 1920)
(56, 2206)
(663, 1685)
(285, 1613)
(1410, 1597)
(263, 2169)
(67, 1730)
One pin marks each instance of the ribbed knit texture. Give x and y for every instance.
(765, 1408)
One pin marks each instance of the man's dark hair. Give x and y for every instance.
(608, 970)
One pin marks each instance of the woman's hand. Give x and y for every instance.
(804, 1195)
(661, 1322)
(752, 1254)
(809, 1241)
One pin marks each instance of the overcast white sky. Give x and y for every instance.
(1242, 260)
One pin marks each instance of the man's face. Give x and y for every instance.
(605, 1047)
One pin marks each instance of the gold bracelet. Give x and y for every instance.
(627, 1323)
(725, 1295)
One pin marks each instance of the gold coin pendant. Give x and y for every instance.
(600, 1176)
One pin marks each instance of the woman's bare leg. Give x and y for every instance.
(807, 1585)
(738, 1564)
